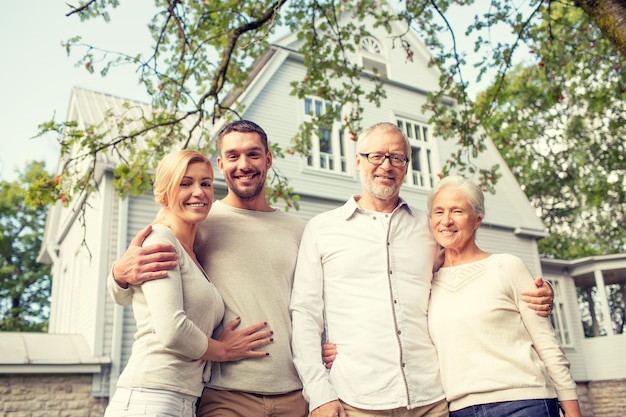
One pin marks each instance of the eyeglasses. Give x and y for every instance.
(396, 160)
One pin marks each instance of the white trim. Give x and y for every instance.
(50, 369)
(335, 161)
(98, 344)
(426, 146)
(118, 310)
(560, 315)
(605, 314)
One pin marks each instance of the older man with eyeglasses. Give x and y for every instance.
(362, 282)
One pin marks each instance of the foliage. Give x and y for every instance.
(24, 282)
(205, 49)
(559, 125)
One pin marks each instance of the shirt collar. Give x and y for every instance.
(352, 207)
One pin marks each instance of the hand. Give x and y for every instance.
(570, 408)
(330, 409)
(329, 353)
(140, 264)
(241, 344)
(541, 300)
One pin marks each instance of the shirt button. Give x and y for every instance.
(399, 331)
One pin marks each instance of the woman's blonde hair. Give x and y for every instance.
(170, 172)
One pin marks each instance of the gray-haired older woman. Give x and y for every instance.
(497, 357)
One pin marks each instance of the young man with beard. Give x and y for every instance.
(248, 250)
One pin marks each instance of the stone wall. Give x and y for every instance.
(49, 395)
(607, 398)
(69, 395)
(583, 400)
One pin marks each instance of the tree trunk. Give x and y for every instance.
(610, 16)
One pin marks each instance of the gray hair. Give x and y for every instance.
(385, 127)
(472, 192)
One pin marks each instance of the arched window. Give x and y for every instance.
(372, 56)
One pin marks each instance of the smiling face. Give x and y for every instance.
(453, 219)
(193, 197)
(244, 162)
(382, 182)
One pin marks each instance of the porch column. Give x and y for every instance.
(607, 323)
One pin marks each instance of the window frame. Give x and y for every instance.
(423, 153)
(560, 317)
(328, 153)
(373, 56)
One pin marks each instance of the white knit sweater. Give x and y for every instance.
(491, 346)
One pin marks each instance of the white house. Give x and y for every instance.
(81, 257)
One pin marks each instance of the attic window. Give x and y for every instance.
(372, 55)
(371, 45)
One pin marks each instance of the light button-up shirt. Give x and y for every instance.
(362, 281)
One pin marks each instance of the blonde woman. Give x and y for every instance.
(176, 316)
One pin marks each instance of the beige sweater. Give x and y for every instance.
(491, 346)
(175, 316)
(251, 257)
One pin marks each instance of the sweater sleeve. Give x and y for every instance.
(121, 296)
(542, 334)
(165, 301)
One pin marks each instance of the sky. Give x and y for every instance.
(38, 76)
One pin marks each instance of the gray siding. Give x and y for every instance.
(141, 212)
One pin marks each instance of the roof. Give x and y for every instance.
(47, 353)
(583, 270)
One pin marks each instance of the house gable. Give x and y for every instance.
(268, 100)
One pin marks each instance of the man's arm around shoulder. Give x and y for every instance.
(140, 264)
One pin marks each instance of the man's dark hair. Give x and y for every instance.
(242, 126)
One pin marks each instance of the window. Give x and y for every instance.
(371, 45)
(372, 56)
(421, 169)
(559, 314)
(328, 148)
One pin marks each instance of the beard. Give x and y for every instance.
(245, 193)
(381, 192)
